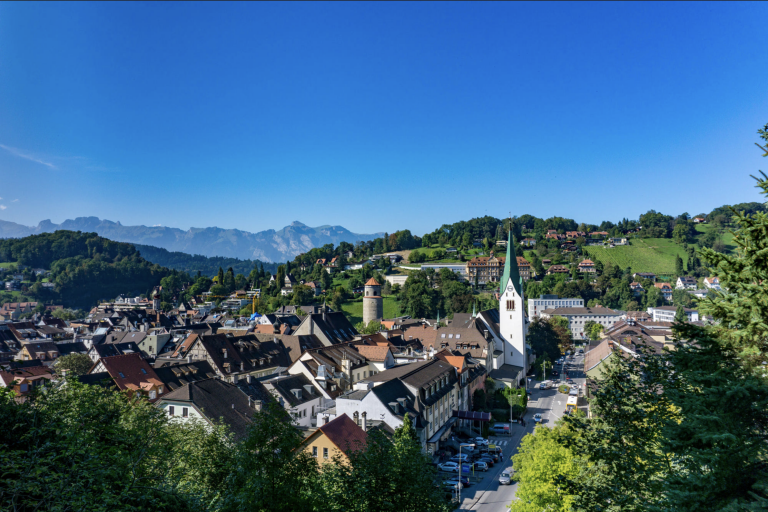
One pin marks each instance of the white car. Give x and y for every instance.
(460, 458)
(506, 476)
(449, 466)
(479, 441)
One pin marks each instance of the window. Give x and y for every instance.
(314, 451)
(325, 453)
(121, 375)
(458, 336)
(358, 375)
(185, 412)
(510, 305)
(442, 335)
(152, 394)
(171, 410)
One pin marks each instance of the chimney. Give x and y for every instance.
(346, 366)
(323, 312)
(189, 359)
(257, 405)
(225, 352)
(249, 396)
(365, 422)
(248, 379)
(486, 334)
(233, 406)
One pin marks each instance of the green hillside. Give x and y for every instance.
(655, 255)
(354, 309)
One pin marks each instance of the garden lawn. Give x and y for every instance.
(6, 264)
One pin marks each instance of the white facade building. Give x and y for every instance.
(536, 306)
(667, 314)
(578, 317)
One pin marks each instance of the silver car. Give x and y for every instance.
(506, 476)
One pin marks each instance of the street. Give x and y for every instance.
(488, 495)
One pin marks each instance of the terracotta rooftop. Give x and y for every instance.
(372, 282)
(344, 433)
(130, 371)
(373, 353)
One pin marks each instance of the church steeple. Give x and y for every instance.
(510, 268)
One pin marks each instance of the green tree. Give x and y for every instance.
(680, 315)
(220, 276)
(543, 463)
(269, 471)
(383, 476)
(741, 313)
(593, 330)
(76, 435)
(373, 327)
(73, 364)
(679, 270)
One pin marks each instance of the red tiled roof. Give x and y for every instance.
(372, 282)
(345, 434)
(373, 353)
(130, 371)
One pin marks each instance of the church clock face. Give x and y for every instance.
(510, 288)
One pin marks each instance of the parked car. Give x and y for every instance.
(488, 461)
(554, 373)
(480, 441)
(483, 465)
(451, 485)
(506, 476)
(569, 381)
(501, 428)
(459, 457)
(581, 351)
(449, 466)
(460, 479)
(537, 418)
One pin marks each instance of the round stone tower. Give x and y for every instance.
(373, 304)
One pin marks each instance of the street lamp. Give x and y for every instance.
(461, 469)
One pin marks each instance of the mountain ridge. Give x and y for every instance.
(269, 245)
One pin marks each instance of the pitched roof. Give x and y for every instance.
(130, 371)
(373, 353)
(345, 434)
(294, 346)
(217, 399)
(597, 354)
(372, 282)
(294, 389)
(176, 376)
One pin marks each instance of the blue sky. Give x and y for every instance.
(377, 117)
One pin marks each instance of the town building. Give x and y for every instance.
(578, 316)
(665, 289)
(712, 283)
(686, 283)
(536, 306)
(587, 266)
(336, 439)
(483, 270)
(667, 314)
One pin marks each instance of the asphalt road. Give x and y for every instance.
(488, 495)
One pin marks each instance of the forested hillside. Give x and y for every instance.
(194, 263)
(85, 267)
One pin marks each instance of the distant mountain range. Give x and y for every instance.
(269, 245)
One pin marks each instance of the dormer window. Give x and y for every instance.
(442, 335)
(458, 336)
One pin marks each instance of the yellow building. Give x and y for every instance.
(337, 437)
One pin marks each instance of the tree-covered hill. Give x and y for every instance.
(194, 263)
(85, 267)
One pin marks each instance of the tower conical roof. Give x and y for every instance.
(372, 282)
(510, 269)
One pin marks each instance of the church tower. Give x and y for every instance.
(512, 311)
